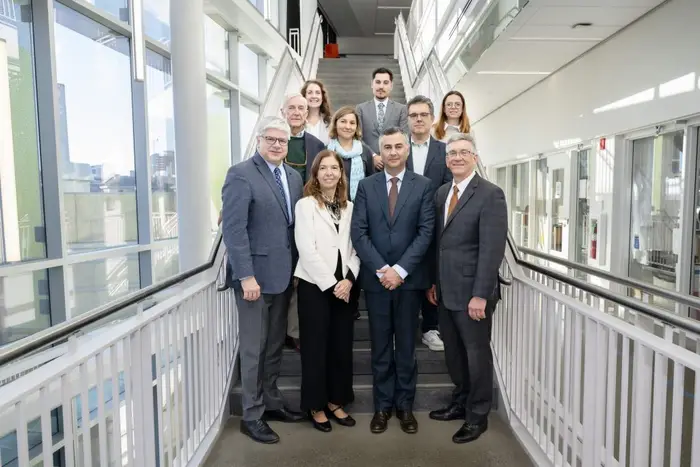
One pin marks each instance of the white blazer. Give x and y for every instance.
(318, 243)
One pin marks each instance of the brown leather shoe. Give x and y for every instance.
(408, 422)
(379, 422)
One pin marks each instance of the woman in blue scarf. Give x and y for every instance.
(346, 141)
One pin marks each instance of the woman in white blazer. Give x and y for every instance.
(327, 268)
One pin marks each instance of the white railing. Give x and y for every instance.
(313, 50)
(585, 381)
(585, 388)
(150, 390)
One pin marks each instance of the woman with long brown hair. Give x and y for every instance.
(453, 117)
(319, 117)
(327, 268)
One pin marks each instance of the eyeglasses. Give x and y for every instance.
(463, 153)
(271, 140)
(454, 105)
(421, 115)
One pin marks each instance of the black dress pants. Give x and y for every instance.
(326, 327)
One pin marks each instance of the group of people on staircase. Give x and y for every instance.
(374, 198)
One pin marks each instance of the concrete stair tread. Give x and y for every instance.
(286, 383)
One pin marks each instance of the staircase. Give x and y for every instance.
(433, 390)
(348, 79)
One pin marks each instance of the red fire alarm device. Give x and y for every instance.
(601, 144)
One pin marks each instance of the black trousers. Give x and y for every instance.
(393, 319)
(326, 327)
(430, 316)
(469, 359)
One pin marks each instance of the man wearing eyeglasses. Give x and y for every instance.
(303, 149)
(427, 157)
(471, 226)
(259, 195)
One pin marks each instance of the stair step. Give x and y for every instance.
(429, 362)
(432, 391)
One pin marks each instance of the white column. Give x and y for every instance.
(191, 155)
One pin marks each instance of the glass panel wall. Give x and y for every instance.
(248, 70)
(541, 218)
(219, 130)
(22, 234)
(156, 20)
(161, 146)
(583, 228)
(695, 272)
(215, 47)
(165, 262)
(116, 8)
(519, 202)
(95, 133)
(24, 305)
(249, 115)
(655, 236)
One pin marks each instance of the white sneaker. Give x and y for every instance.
(433, 341)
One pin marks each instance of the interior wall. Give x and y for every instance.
(382, 45)
(647, 74)
(308, 10)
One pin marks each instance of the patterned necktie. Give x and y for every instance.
(453, 201)
(278, 179)
(393, 195)
(380, 115)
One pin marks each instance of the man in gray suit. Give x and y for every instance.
(471, 226)
(259, 195)
(380, 113)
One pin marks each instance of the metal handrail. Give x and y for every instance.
(686, 324)
(64, 330)
(651, 289)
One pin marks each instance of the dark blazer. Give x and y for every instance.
(313, 146)
(470, 247)
(257, 234)
(404, 240)
(395, 114)
(436, 166)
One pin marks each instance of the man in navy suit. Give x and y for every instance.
(392, 228)
(427, 157)
(259, 195)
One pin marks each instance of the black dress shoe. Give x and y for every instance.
(346, 421)
(408, 422)
(379, 422)
(446, 414)
(321, 426)
(283, 415)
(259, 431)
(469, 432)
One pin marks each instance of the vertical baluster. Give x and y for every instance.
(85, 414)
(116, 406)
(46, 438)
(101, 415)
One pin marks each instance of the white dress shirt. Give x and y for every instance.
(461, 187)
(285, 184)
(419, 153)
(402, 272)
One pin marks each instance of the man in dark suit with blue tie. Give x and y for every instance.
(259, 195)
(392, 228)
(427, 157)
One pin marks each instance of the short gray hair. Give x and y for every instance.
(421, 100)
(461, 137)
(274, 123)
(392, 130)
(289, 97)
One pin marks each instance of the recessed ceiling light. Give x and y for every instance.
(584, 24)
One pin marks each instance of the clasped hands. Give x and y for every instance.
(390, 279)
(342, 290)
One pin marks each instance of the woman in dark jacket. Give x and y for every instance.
(346, 141)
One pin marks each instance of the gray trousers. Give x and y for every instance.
(262, 326)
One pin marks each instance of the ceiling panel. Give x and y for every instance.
(384, 21)
(534, 32)
(598, 15)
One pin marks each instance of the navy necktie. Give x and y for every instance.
(278, 179)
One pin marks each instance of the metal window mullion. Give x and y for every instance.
(51, 169)
(684, 274)
(96, 14)
(235, 96)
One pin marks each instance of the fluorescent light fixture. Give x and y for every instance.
(557, 39)
(383, 33)
(640, 97)
(542, 73)
(680, 85)
(385, 7)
